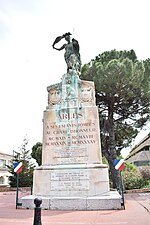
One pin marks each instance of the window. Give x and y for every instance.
(147, 148)
(1, 180)
(142, 163)
(2, 163)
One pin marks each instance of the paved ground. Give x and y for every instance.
(137, 212)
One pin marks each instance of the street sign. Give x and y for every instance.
(119, 164)
(18, 167)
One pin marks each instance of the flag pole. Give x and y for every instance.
(17, 176)
(17, 170)
(122, 190)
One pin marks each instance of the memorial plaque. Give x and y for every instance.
(69, 175)
(69, 185)
(71, 179)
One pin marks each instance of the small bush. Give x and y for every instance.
(145, 171)
(132, 177)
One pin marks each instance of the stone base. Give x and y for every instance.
(80, 180)
(108, 201)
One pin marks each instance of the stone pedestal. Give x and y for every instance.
(72, 176)
(78, 180)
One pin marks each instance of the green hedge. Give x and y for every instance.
(132, 178)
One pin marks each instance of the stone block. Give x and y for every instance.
(70, 203)
(28, 202)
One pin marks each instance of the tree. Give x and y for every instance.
(26, 176)
(123, 97)
(37, 152)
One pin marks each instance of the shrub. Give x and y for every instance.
(145, 171)
(132, 177)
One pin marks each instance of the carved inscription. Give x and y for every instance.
(69, 180)
(65, 134)
(68, 142)
(66, 116)
(70, 154)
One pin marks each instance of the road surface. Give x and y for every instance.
(137, 212)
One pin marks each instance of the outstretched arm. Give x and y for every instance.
(58, 39)
(62, 47)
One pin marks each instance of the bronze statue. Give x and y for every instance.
(72, 55)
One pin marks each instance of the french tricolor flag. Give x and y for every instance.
(18, 167)
(119, 164)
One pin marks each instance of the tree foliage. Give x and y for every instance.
(123, 97)
(26, 176)
(37, 152)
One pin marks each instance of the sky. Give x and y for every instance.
(28, 63)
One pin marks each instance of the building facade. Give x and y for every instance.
(140, 154)
(5, 160)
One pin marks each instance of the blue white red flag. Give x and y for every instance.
(119, 164)
(18, 167)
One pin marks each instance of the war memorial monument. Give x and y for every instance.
(72, 176)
